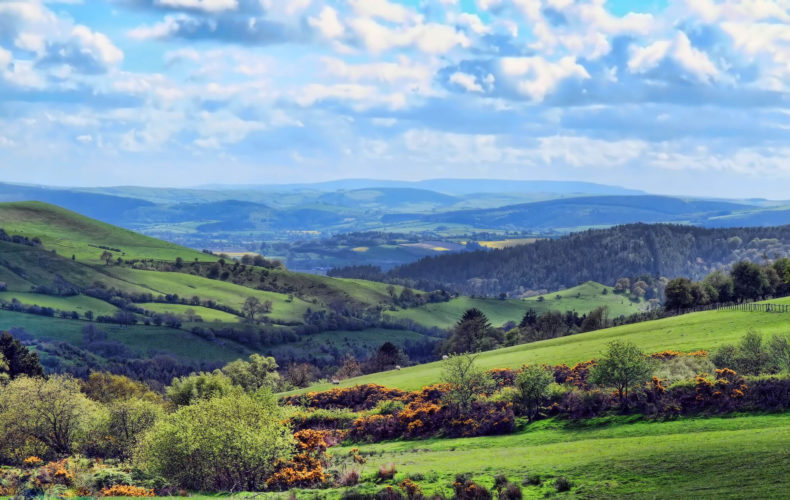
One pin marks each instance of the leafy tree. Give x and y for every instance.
(722, 284)
(107, 387)
(386, 358)
(20, 359)
(749, 280)
(4, 376)
(751, 358)
(50, 415)
(678, 294)
(779, 352)
(623, 366)
(466, 381)
(529, 319)
(253, 307)
(596, 319)
(230, 442)
(128, 419)
(184, 391)
(257, 373)
(472, 333)
(532, 385)
(106, 257)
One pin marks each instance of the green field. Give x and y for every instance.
(139, 338)
(69, 233)
(180, 309)
(187, 285)
(581, 299)
(689, 332)
(79, 303)
(731, 457)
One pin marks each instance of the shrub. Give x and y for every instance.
(532, 480)
(389, 407)
(511, 492)
(107, 478)
(348, 478)
(387, 472)
(411, 489)
(126, 491)
(562, 483)
(623, 366)
(532, 384)
(389, 493)
(466, 489)
(243, 432)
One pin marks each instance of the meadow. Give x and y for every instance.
(690, 332)
(582, 299)
(604, 458)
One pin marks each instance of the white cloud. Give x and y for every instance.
(327, 23)
(384, 10)
(679, 50)
(388, 72)
(467, 81)
(536, 77)
(212, 6)
(430, 38)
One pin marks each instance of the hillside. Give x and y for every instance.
(582, 299)
(689, 332)
(598, 255)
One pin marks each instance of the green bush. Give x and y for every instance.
(562, 483)
(230, 441)
(105, 478)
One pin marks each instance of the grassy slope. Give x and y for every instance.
(703, 330)
(79, 303)
(69, 234)
(187, 285)
(321, 345)
(139, 338)
(446, 314)
(732, 457)
(207, 314)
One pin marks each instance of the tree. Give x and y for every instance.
(782, 268)
(106, 257)
(532, 384)
(184, 391)
(4, 376)
(257, 373)
(529, 319)
(20, 359)
(50, 415)
(596, 319)
(128, 420)
(386, 358)
(751, 357)
(466, 382)
(106, 387)
(227, 443)
(622, 285)
(749, 280)
(622, 366)
(472, 333)
(722, 284)
(253, 306)
(678, 294)
(779, 352)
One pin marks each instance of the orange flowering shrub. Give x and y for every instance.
(672, 354)
(411, 489)
(357, 398)
(577, 375)
(466, 489)
(33, 461)
(122, 490)
(55, 473)
(306, 468)
(503, 377)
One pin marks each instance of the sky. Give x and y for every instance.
(669, 96)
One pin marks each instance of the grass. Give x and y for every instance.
(143, 339)
(703, 330)
(187, 285)
(180, 309)
(79, 303)
(582, 299)
(69, 233)
(728, 457)
(499, 244)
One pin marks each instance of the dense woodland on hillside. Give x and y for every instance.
(594, 255)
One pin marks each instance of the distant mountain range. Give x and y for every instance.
(241, 218)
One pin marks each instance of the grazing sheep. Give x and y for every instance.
(335, 381)
(397, 367)
(445, 357)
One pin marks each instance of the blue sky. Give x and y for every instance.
(670, 96)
